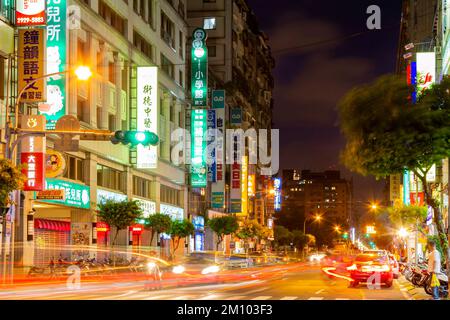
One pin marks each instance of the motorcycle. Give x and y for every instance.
(443, 288)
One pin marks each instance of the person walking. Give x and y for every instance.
(434, 267)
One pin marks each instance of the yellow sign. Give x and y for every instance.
(31, 64)
(55, 164)
(251, 185)
(244, 189)
(370, 230)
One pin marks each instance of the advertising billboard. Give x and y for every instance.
(30, 13)
(147, 114)
(198, 140)
(199, 72)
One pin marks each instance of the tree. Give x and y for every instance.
(223, 226)
(11, 179)
(157, 223)
(283, 237)
(300, 239)
(250, 229)
(179, 229)
(120, 215)
(386, 133)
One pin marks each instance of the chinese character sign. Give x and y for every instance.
(211, 146)
(147, 114)
(198, 156)
(426, 71)
(244, 186)
(30, 13)
(31, 64)
(199, 72)
(33, 154)
(55, 105)
(218, 187)
(235, 188)
(277, 189)
(76, 195)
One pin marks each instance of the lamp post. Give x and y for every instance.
(82, 73)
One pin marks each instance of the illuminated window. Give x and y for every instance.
(209, 23)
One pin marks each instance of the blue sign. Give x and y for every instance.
(277, 189)
(199, 223)
(406, 191)
(211, 150)
(199, 241)
(236, 116)
(218, 99)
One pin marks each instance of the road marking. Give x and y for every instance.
(117, 296)
(256, 290)
(288, 298)
(320, 291)
(235, 298)
(316, 298)
(209, 297)
(262, 298)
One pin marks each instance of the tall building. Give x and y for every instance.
(116, 39)
(241, 63)
(308, 193)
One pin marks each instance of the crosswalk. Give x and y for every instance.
(215, 296)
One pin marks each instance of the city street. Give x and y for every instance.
(294, 282)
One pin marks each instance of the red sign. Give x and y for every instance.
(30, 13)
(137, 229)
(33, 170)
(413, 198)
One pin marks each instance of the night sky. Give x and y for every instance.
(310, 81)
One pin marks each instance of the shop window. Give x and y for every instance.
(141, 187)
(170, 196)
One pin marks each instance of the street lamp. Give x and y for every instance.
(316, 218)
(403, 233)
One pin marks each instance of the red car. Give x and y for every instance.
(371, 268)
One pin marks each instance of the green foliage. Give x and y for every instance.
(386, 133)
(11, 179)
(300, 239)
(223, 226)
(120, 215)
(250, 229)
(157, 223)
(407, 215)
(179, 229)
(282, 235)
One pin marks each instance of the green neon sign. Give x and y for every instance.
(199, 168)
(55, 107)
(76, 195)
(199, 72)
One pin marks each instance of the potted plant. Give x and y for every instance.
(11, 179)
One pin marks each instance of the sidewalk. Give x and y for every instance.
(416, 293)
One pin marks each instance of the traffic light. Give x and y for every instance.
(146, 138)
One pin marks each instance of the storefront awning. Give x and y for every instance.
(54, 225)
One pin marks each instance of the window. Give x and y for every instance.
(167, 66)
(142, 45)
(111, 73)
(82, 110)
(111, 122)
(181, 78)
(212, 51)
(141, 187)
(170, 195)
(167, 30)
(74, 168)
(110, 178)
(99, 117)
(180, 44)
(209, 23)
(112, 18)
(80, 52)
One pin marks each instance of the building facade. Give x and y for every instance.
(115, 39)
(239, 62)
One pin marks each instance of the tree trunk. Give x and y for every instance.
(219, 241)
(152, 235)
(437, 214)
(112, 245)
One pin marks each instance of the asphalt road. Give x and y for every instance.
(294, 282)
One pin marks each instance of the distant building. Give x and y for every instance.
(325, 193)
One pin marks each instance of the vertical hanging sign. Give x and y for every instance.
(55, 106)
(31, 64)
(218, 187)
(211, 149)
(244, 186)
(199, 72)
(33, 154)
(198, 148)
(147, 114)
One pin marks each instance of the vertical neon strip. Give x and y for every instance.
(406, 198)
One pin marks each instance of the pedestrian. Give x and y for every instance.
(434, 267)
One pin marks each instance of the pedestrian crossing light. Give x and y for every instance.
(145, 138)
